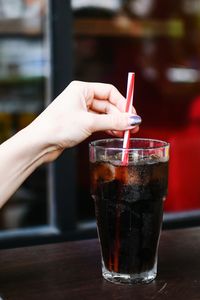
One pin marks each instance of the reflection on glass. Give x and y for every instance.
(24, 70)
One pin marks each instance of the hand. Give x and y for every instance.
(81, 109)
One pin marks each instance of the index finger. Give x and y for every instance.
(104, 91)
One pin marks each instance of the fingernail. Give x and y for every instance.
(134, 120)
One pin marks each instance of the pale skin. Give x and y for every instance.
(81, 109)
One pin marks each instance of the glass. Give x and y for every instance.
(129, 205)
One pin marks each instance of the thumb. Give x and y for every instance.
(117, 121)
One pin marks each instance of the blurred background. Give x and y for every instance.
(99, 40)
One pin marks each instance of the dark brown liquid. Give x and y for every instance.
(129, 208)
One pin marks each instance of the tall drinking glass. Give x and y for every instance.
(129, 205)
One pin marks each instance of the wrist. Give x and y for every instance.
(20, 155)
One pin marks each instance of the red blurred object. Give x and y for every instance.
(184, 174)
(194, 112)
(184, 170)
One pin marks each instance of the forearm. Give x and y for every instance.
(19, 156)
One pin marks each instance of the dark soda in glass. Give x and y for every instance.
(129, 209)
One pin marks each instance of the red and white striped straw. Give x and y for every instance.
(129, 103)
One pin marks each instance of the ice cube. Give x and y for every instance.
(103, 172)
(134, 157)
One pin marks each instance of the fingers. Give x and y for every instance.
(93, 92)
(103, 106)
(111, 94)
(107, 92)
(116, 122)
(120, 134)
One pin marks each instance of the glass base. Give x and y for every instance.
(144, 277)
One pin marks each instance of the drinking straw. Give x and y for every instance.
(129, 103)
(126, 141)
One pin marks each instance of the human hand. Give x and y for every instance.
(81, 109)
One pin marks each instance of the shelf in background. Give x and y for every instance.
(15, 106)
(18, 27)
(21, 80)
(124, 27)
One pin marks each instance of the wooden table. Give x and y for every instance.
(72, 270)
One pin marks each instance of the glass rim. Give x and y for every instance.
(95, 144)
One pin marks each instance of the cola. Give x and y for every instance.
(129, 210)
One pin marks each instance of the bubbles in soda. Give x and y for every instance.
(129, 208)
